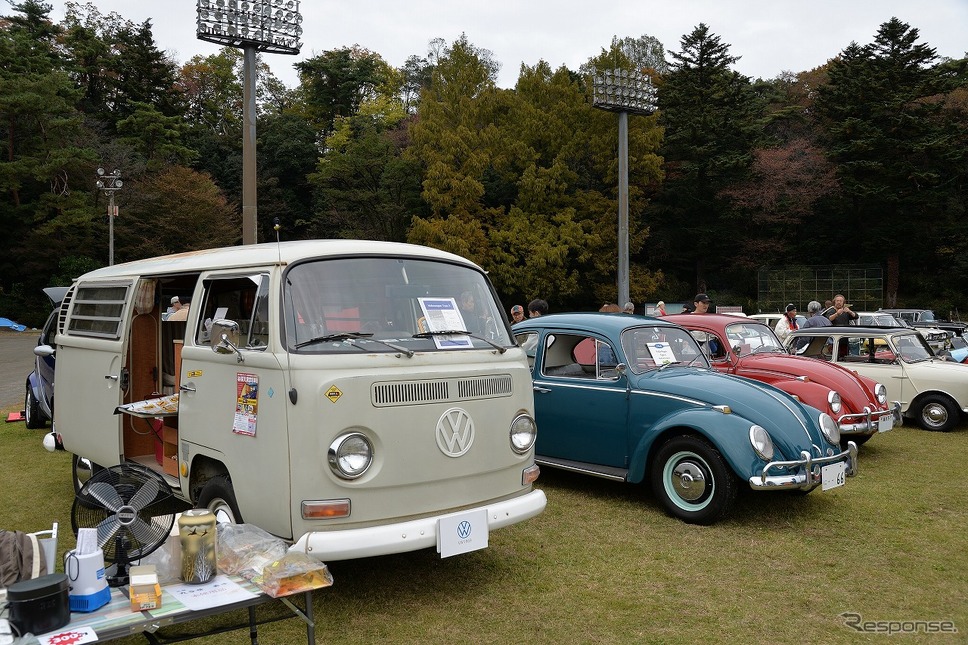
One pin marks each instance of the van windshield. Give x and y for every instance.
(381, 304)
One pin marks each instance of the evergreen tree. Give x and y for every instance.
(883, 113)
(710, 114)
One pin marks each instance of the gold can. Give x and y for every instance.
(196, 530)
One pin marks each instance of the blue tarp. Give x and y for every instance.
(6, 322)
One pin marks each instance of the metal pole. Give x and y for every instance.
(623, 208)
(249, 206)
(111, 228)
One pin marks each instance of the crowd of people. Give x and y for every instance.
(832, 313)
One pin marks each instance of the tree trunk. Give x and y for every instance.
(893, 273)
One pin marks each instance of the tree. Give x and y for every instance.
(883, 112)
(710, 116)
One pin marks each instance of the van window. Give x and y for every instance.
(383, 299)
(244, 299)
(98, 311)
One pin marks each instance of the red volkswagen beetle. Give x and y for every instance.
(745, 347)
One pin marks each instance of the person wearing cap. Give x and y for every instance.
(700, 304)
(629, 308)
(788, 323)
(517, 314)
(181, 312)
(660, 309)
(815, 317)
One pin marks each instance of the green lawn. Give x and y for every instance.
(604, 564)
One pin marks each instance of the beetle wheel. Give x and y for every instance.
(693, 480)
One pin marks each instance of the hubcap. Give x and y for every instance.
(689, 481)
(935, 414)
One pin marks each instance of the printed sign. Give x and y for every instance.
(247, 404)
(661, 353)
(442, 314)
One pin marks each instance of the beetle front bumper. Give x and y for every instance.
(869, 423)
(803, 473)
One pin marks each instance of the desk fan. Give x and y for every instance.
(131, 508)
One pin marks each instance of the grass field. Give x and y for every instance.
(604, 564)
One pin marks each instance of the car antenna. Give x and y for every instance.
(293, 395)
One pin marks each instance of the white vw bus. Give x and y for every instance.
(356, 398)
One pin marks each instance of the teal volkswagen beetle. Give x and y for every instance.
(633, 398)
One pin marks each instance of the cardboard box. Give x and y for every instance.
(145, 592)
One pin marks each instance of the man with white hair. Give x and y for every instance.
(816, 317)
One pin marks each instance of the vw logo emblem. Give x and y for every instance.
(455, 432)
(464, 530)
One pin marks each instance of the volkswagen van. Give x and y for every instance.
(338, 394)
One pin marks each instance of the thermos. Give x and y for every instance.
(196, 531)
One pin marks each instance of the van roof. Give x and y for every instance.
(265, 254)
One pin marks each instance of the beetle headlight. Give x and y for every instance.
(350, 455)
(762, 444)
(830, 429)
(833, 400)
(523, 433)
(880, 391)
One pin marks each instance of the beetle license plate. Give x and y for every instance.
(833, 475)
(885, 423)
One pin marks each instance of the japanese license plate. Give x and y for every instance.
(885, 423)
(833, 475)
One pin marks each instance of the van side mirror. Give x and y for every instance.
(225, 337)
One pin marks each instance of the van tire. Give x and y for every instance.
(81, 471)
(218, 496)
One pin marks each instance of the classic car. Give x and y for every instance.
(772, 319)
(39, 396)
(751, 349)
(632, 398)
(932, 391)
(926, 318)
(938, 339)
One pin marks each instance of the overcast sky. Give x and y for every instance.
(770, 36)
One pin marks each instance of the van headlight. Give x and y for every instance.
(762, 443)
(833, 400)
(350, 455)
(523, 433)
(830, 429)
(880, 391)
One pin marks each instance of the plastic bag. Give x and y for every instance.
(294, 573)
(245, 550)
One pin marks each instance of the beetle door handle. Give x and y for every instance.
(542, 390)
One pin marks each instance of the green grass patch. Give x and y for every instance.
(604, 564)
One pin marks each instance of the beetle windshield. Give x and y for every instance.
(648, 348)
(749, 338)
(390, 304)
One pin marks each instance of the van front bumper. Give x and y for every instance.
(414, 535)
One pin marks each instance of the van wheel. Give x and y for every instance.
(218, 496)
(82, 469)
(34, 419)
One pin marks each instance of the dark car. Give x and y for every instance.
(925, 318)
(39, 399)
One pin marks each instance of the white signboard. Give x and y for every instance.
(442, 314)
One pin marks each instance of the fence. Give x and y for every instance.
(862, 285)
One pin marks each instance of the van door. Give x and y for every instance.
(89, 370)
(232, 406)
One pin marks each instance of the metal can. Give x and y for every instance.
(196, 531)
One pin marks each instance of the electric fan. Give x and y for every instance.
(131, 508)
